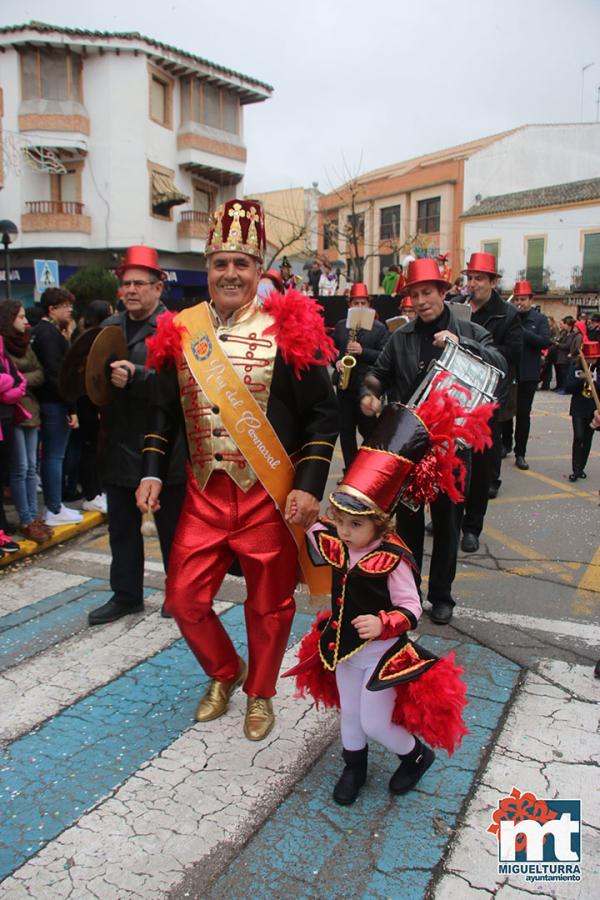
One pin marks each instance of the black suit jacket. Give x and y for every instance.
(125, 419)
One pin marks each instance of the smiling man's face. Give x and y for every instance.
(232, 281)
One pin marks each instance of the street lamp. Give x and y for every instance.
(583, 71)
(9, 232)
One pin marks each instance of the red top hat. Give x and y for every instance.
(591, 349)
(522, 289)
(140, 257)
(359, 290)
(406, 303)
(412, 453)
(422, 270)
(238, 227)
(482, 262)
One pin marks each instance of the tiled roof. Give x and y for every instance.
(46, 29)
(552, 195)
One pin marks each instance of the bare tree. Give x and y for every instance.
(351, 235)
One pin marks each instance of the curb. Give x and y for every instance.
(61, 533)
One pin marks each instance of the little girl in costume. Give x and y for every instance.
(358, 656)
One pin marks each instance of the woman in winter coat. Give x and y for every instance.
(12, 390)
(14, 329)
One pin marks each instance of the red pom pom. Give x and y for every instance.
(447, 421)
(164, 347)
(317, 681)
(299, 330)
(432, 705)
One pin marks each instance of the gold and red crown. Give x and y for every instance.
(238, 227)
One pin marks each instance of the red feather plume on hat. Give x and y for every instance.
(447, 421)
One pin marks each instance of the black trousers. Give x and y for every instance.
(352, 418)
(485, 471)
(127, 542)
(582, 442)
(522, 421)
(549, 363)
(446, 519)
(6, 451)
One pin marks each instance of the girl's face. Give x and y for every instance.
(20, 322)
(355, 531)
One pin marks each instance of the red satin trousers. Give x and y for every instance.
(216, 525)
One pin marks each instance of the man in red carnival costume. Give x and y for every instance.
(249, 377)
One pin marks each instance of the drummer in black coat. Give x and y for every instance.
(124, 424)
(403, 365)
(502, 321)
(365, 348)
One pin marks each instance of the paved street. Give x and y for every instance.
(109, 790)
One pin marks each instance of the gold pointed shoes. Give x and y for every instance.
(216, 699)
(259, 718)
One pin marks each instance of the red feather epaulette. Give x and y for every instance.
(299, 330)
(164, 346)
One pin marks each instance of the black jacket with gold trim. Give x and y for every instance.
(359, 590)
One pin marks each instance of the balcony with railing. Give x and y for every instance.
(194, 224)
(55, 215)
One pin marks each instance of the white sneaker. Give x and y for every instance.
(98, 504)
(64, 516)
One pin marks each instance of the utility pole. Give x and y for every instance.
(598, 103)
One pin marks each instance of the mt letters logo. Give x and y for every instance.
(540, 839)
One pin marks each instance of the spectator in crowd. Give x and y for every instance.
(403, 365)
(269, 281)
(58, 417)
(407, 308)
(536, 337)
(15, 331)
(314, 277)
(593, 329)
(501, 320)
(327, 281)
(582, 408)
(549, 358)
(89, 426)
(287, 276)
(12, 390)
(394, 281)
(569, 344)
(365, 349)
(123, 429)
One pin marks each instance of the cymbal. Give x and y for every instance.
(71, 380)
(108, 346)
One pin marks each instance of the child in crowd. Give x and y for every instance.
(357, 652)
(582, 406)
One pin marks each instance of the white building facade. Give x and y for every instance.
(111, 140)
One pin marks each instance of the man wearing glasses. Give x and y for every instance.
(122, 436)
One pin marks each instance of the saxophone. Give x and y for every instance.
(348, 362)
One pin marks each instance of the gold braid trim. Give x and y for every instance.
(313, 443)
